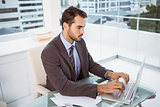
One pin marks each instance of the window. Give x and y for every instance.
(142, 15)
(113, 4)
(31, 10)
(18, 13)
(91, 5)
(8, 10)
(31, 16)
(8, 19)
(102, 5)
(102, 10)
(32, 4)
(29, 0)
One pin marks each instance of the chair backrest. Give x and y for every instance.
(34, 58)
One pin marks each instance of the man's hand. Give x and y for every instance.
(116, 76)
(115, 85)
(110, 87)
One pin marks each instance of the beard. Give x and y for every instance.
(71, 36)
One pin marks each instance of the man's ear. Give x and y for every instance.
(65, 26)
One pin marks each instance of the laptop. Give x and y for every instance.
(128, 94)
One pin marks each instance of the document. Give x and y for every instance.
(61, 100)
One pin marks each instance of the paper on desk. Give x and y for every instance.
(61, 100)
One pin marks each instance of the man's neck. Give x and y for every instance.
(66, 37)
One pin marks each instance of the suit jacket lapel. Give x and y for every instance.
(59, 45)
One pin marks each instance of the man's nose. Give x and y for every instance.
(82, 30)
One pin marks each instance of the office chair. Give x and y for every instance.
(38, 72)
(3, 104)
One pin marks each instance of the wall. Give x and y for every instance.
(106, 41)
(51, 14)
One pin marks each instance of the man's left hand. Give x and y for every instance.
(117, 75)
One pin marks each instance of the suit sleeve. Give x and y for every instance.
(60, 82)
(96, 68)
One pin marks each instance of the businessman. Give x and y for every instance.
(67, 60)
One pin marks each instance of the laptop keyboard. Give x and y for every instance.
(127, 93)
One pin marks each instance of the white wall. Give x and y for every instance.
(149, 46)
(51, 9)
(109, 39)
(106, 41)
(127, 43)
(92, 37)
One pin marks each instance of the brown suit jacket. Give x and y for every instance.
(60, 74)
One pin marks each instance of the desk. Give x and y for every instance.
(142, 94)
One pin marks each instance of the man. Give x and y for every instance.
(67, 60)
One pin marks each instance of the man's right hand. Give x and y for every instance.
(110, 87)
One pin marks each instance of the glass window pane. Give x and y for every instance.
(151, 11)
(149, 26)
(123, 13)
(94, 19)
(109, 21)
(132, 23)
(21, 15)
(127, 23)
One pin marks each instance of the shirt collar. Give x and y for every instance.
(66, 43)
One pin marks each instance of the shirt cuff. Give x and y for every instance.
(108, 78)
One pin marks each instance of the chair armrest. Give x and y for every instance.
(3, 104)
(41, 89)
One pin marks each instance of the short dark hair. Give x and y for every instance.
(70, 13)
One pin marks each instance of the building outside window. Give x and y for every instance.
(21, 14)
(130, 14)
(113, 4)
(102, 5)
(91, 5)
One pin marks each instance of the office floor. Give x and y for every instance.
(150, 78)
